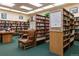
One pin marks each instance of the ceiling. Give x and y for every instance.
(18, 5)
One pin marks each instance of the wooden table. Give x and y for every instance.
(6, 37)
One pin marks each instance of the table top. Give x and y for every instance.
(7, 32)
(23, 30)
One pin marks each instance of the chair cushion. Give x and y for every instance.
(30, 41)
(23, 40)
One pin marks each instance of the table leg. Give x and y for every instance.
(1, 38)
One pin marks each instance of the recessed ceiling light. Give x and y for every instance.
(36, 4)
(25, 7)
(8, 4)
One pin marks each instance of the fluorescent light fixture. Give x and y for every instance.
(25, 7)
(4, 8)
(41, 9)
(8, 4)
(36, 4)
(34, 11)
(57, 4)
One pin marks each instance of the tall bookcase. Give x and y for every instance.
(41, 25)
(76, 28)
(46, 27)
(2, 25)
(14, 25)
(61, 31)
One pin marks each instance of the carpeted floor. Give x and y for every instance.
(40, 50)
(74, 50)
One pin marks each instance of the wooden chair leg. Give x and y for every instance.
(18, 44)
(34, 44)
(24, 47)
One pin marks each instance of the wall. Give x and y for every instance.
(14, 16)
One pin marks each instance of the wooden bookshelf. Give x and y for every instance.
(14, 25)
(42, 27)
(61, 31)
(76, 28)
(47, 27)
(2, 25)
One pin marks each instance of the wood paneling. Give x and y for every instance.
(56, 45)
(7, 38)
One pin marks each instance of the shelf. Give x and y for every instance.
(61, 40)
(14, 25)
(66, 45)
(41, 38)
(42, 26)
(76, 28)
(66, 39)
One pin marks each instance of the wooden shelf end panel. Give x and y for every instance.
(56, 45)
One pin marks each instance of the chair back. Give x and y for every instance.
(31, 34)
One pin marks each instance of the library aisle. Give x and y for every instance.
(13, 50)
(48, 30)
(40, 50)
